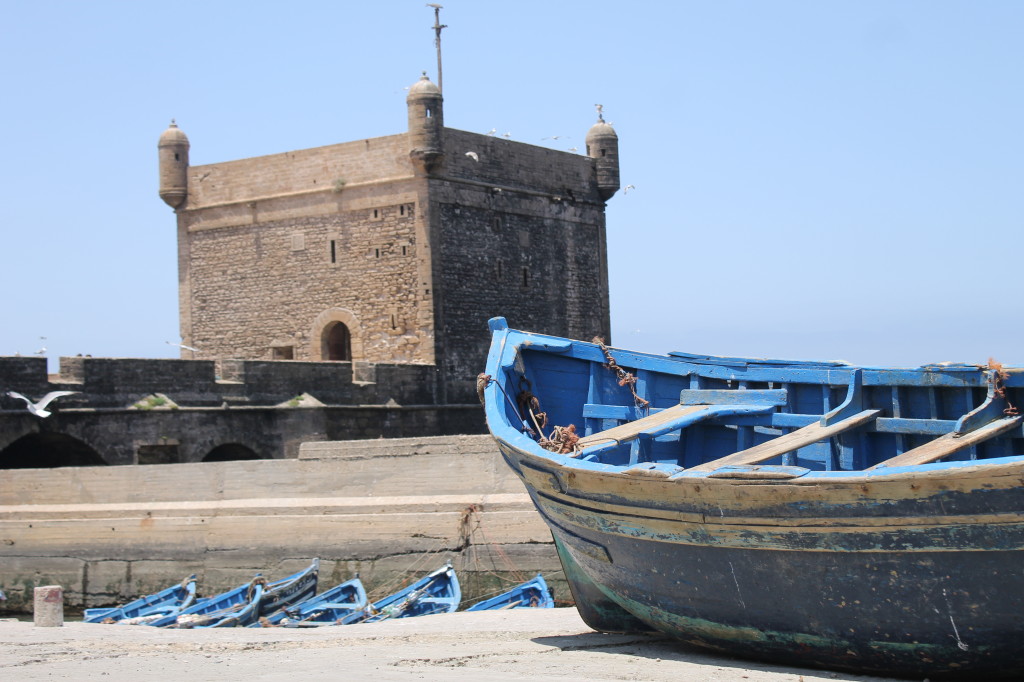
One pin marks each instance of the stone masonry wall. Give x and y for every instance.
(305, 170)
(531, 249)
(257, 286)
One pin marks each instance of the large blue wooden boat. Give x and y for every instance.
(171, 600)
(532, 594)
(327, 608)
(813, 513)
(436, 592)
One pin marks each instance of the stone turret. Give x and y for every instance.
(173, 152)
(603, 147)
(426, 125)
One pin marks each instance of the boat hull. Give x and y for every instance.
(847, 586)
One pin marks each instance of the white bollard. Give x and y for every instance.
(48, 606)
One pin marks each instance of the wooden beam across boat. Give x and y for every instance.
(664, 421)
(808, 435)
(652, 423)
(944, 446)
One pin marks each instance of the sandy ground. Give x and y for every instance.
(498, 645)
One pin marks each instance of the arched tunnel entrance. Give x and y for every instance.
(47, 451)
(229, 452)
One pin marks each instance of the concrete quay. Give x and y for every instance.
(527, 644)
(387, 509)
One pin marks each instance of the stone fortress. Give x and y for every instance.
(394, 249)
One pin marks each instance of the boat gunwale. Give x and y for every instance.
(505, 354)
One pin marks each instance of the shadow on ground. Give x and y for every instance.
(660, 648)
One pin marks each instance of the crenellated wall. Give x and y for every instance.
(128, 411)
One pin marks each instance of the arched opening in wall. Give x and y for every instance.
(230, 452)
(48, 451)
(337, 342)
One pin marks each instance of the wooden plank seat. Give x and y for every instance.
(808, 435)
(662, 422)
(950, 443)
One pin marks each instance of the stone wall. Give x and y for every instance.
(121, 382)
(254, 288)
(521, 235)
(388, 510)
(345, 165)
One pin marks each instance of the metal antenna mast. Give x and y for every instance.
(437, 41)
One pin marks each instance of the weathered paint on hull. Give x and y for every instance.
(843, 587)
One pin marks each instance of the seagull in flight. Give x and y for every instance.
(39, 408)
(181, 345)
(629, 187)
(474, 156)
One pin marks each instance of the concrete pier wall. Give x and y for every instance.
(387, 509)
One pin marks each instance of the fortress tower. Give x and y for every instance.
(392, 249)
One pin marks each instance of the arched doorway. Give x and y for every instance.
(336, 335)
(230, 452)
(48, 451)
(337, 342)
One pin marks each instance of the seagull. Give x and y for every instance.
(39, 408)
(506, 135)
(492, 131)
(574, 149)
(181, 345)
(474, 156)
(553, 137)
(628, 187)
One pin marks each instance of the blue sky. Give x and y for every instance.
(828, 180)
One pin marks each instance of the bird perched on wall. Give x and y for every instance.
(474, 156)
(39, 408)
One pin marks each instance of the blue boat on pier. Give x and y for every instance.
(330, 607)
(245, 604)
(235, 607)
(166, 602)
(810, 513)
(286, 592)
(437, 592)
(531, 594)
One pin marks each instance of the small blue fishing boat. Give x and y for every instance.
(151, 607)
(286, 592)
(239, 606)
(437, 592)
(327, 608)
(245, 604)
(811, 513)
(532, 594)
